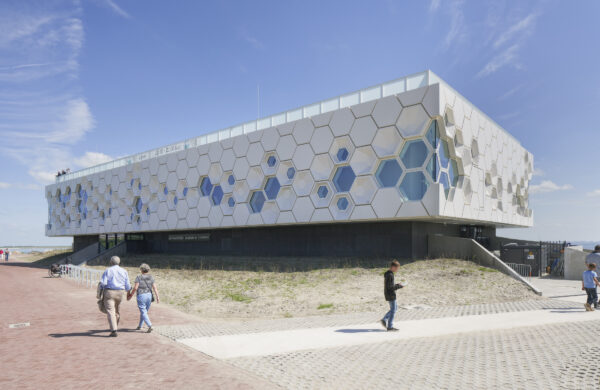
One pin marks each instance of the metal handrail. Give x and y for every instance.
(84, 276)
(522, 269)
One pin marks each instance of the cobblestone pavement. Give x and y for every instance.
(220, 328)
(557, 356)
(562, 356)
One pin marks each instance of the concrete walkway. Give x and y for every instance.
(565, 290)
(272, 343)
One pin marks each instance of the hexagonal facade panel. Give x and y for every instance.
(420, 151)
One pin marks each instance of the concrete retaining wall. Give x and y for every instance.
(468, 249)
(575, 262)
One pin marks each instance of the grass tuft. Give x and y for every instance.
(325, 306)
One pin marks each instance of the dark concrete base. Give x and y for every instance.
(81, 242)
(402, 240)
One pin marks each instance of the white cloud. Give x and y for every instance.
(118, 10)
(548, 186)
(90, 159)
(434, 5)
(76, 120)
(507, 57)
(538, 172)
(252, 40)
(507, 45)
(20, 186)
(523, 26)
(457, 23)
(594, 193)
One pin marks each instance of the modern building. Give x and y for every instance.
(369, 173)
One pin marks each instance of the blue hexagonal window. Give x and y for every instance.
(444, 181)
(343, 179)
(291, 172)
(342, 154)
(272, 188)
(231, 180)
(205, 186)
(138, 205)
(414, 185)
(231, 202)
(131, 183)
(139, 186)
(217, 195)
(165, 190)
(185, 191)
(433, 167)
(444, 154)
(322, 192)
(271, 161)
(388, 173)
(110, 211)
(147, 211)
(257, 201)
(453, 173)
(175, 200)
(433, 134)
(414, 153)
(342, 203)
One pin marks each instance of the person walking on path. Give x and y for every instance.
(6, 253)
(389, 291)
(147, 292)
(594, 257)
(589, 283)
(114, 283)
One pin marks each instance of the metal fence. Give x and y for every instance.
(84, 276)
(522, 269)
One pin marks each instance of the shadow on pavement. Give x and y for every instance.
(89, 333)
(360, 330)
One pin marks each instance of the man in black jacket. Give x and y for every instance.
(389, 290)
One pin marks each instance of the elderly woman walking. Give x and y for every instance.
(146, 292)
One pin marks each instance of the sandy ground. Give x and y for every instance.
(252, 294)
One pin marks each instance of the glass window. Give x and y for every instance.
(271, 161)
(322, 192)
(342, 154)
(342, 203)
(217, 195)
(138, 205)
(185, 191)
(414, 185)
(444, 154)
(414, 153)
(205, 187)
(257, 201)
(175, 200)
(272, 188)
(453, 173)
(343, 179)
(444, 182)
(433, 134)
(388, 173)
(231, 202)
(165, 190)
(231, 180)
(433, 167)
(291, 172)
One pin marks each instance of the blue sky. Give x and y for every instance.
(85, 81)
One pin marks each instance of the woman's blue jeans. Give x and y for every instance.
(144, 301)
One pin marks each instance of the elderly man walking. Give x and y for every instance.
(594, 257)
(114, 282)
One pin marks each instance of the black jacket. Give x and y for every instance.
(389, 288)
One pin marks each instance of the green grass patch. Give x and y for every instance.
(237, 297)
(325, 306)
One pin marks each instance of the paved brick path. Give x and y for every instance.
(66, 346)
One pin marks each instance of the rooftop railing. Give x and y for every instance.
(393, 87)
